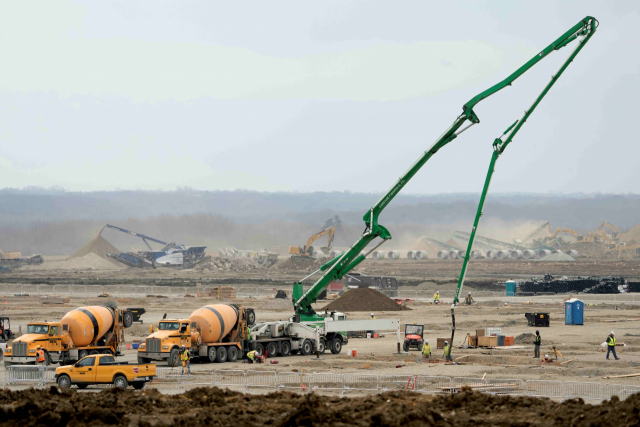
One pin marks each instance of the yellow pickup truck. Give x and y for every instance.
(103, 369)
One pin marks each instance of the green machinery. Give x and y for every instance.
(341, 265)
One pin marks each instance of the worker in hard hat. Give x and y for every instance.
(251, 356)
(447, 356)
(611, 345)
(469, 299)
(536, 345)
(426, 349)
(373, 317)
(185, 357)
(40, 358)
(547, 359)
(436, 297)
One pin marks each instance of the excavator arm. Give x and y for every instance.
(339, 266)
(584, 29)
(330, 231)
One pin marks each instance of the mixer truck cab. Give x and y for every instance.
(165, 343)
(83, 331)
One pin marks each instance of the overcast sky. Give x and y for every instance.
(312, 95)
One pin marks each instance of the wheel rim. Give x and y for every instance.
(119, 383)
(64, 382)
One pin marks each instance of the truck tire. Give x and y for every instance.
(323, 345)
(221, 355)
(139, 385)
(306, 348)
(211, 354)
(120, 381)
(173, 358)
(92, 352)
(127, 319)
(285, 350)
(64, 381)
(82, 354)
(405, 347)
(336, 345)
(143, 360)
(232, 354)
(251, 317)
(47, 359)
(259, 349)
(272, 349)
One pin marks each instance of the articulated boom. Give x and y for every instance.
(338, 267)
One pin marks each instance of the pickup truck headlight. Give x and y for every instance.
(32, 351)
(165, 347)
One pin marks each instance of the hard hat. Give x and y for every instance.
(183, 347)
(446, 342)
(371, 314)
(546, 356)
(469, 293)
(427, 341)
(612, 333)
(37, 347)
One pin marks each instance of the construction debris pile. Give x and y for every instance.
(203, 406)
(364, 299)
(548, 284)
(235, 264)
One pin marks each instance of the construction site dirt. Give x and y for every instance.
(213, 406)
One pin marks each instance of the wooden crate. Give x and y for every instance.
(440, 342)
(488, 341)
(473, 341)
(479, 332)
(223, 292)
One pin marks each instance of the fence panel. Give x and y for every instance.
(327, 382)
(478, 384)
(28, 374)
(361, 382)
(294, 381)
(506, 386)
(544, 388)
(261, 379)
(167, 375)
(229, 378)
(572, 389)
(197, 378)
(396, 382)
(426, 384)
(620, 390)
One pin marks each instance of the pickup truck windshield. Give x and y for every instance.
(37, 329)
(169, 326)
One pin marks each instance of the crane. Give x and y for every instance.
(341, 265)
(584, 29)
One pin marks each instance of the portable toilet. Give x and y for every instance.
(573, 312)
(511, 288)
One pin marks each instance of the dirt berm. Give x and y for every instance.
(211, 406)
(363, 299)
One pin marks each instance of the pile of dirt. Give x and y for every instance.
(100, 247)
(90, 261)
(208, 406)
(526, 338)
(632, 236)
(277, 304)
(364, 299)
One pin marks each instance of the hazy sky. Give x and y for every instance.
(312, 95)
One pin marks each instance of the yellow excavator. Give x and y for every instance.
(307, 250)
(614, 230)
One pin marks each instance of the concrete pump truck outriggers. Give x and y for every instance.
(328, 325)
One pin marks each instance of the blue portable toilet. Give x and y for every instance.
(511, 288)
(573, 312)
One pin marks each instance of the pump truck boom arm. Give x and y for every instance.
(585, 28)
(339, 266)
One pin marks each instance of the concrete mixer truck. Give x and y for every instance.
(213, 333)
(83, 331)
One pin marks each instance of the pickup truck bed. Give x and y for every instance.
(103, 369)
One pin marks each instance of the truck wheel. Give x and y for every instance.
(92, 352)
(82, 354)
(232, 354)
(143, 360)
(47, 359)
(306, 347)
(173, 358)
(323, 346)
(139, 385)
(405, 347)
(259, 349)
(221, 356)
(285, 350)
(64, 381)
(127, 319)
(211, 354)
(120, 381)
(272, 348)
(251, 318)
(336, 346)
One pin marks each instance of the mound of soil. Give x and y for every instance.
(212, 406)
(364, 299)
(526, 338)
(100, 247)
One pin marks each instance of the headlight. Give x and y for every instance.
(141, 346)
(165, 347)
(32, 351)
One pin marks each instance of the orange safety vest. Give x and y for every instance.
(40, 356)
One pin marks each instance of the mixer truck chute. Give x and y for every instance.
(83, 331)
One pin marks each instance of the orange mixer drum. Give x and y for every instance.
(215, 321)
(88, 324)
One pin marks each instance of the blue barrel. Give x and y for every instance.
(500, 340)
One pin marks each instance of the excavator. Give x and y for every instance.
(600, 232)
(339, 266)
(307, 250)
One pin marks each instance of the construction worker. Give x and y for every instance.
(373, 317)
(536, 345)
(469, 299)
(611, 345)
(436, 297)
(447, 357)
(426, 349)
(40, 359)
(251, 356)
(186, 360)
(547, 359)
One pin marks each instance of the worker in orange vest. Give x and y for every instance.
(40, 359)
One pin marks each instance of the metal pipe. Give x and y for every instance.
(393, 254)
(442, 254)
(421, 255)
(411, 255)
(491, 254)
(503, 254)
(516, 254)
(453, 254)
(529, 254)
(543, 253)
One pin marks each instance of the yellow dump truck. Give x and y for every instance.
(213, 333)
(81, 332)
(103, 369)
